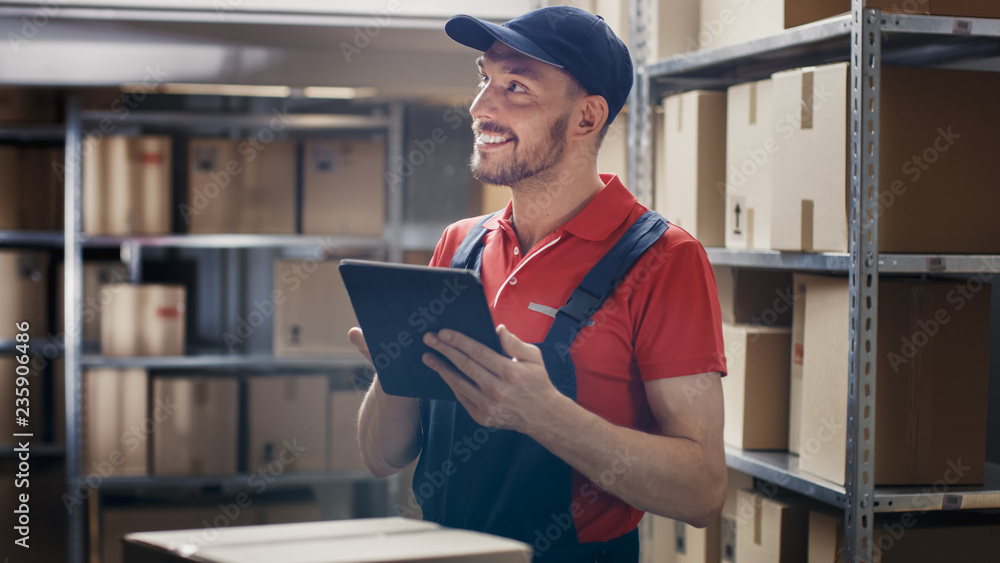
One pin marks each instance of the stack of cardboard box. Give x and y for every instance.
(126, 185)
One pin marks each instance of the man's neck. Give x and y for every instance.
(540, 208)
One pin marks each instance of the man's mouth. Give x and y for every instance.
(492, 140)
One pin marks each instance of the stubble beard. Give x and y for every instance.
(536, 163)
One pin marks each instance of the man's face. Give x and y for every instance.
(520, 118)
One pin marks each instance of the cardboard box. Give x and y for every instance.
(41, 206)
(345, 452)
(730, 520)
(24, 278)
(200, 525)
(669, 541)
(315, 314)
(344, 188)
(971, 8)
(200, 435)
(935, 158)
(750, 149)
(27, 105)
(126, 185)
(672, 28)
(287, 418)
(798, 353)
(758, 297)
(143, 320)
(925, 424)
(372, 539)
(612, 158)
(903, 541)
(95, 276)
(727, 22)
(288, 512)
(267, 188)
(772, 530)
(116, 422)
(756, 388)
(693, 196)
(214, 196)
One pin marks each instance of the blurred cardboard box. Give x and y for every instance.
(126, 185)
(730, 519)
(24, 278)
(143, 320)
(200, 435)
(772, 530)
(116, 422)
(240, 187)
(928, 428)
(287, 417)
(757, 297)
(672, 541)
(935, 158)
(95, 276)
(750, 149)
(693, 196)
(200, 524)
(31, 188)
(612, 158)
(345, 451)
(371, 539)
(314, 313)
(672, 28)
(27, 105)
(798, 355)
(344, 188)
(728, 22)
(756, 387)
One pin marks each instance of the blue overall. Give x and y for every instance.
(501, 481)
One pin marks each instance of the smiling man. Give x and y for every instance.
(608, 402)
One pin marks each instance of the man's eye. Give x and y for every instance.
(516, 88)
(483, 80)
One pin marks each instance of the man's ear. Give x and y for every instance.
(592, 112)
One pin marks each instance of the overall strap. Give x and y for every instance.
(469, 255)
(604, 277)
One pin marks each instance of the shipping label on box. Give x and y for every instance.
(200, 436)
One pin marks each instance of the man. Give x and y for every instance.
(618, 407)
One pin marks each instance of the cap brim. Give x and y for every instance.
(480, 35)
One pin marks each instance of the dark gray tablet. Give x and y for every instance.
(397, 303)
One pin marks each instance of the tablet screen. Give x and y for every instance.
(397, 303)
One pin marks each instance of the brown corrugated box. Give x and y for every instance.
(750, 149)
(725, 22)
(314, 312)
(343, 541)
(344, 188)
(116, 423)
(672, 541)
(928, 427)
(694, 195)
(126, 185)
(24, 278)
(771, 530)
(730, 521)
(95, 276)
(672, 28)
(903, 541)
(240, 187)
(200, 435)
(27, 105)
(935, 157)
(345, 452)
(756, 387)
(287, 423)
(612, 158)
(798, 353)
(143, 320)
(971, 8)
(758, 297)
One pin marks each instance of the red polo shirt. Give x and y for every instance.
(662, 321)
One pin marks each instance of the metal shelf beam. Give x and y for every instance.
(234, 482)
(782, 469)
(288, 122)
(251, 362)
(940, 25)
(34, 134)
(323, 242)
(31, 239)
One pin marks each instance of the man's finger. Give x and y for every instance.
(517, 348)
(358, 339)
(472, 367)
(466, 391)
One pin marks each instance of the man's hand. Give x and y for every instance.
(358, 339)
(513, 393)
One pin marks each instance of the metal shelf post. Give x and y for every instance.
(866, 52)
(72, 311)
(638, 145)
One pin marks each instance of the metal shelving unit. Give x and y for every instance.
(218, 362)
(867, 39)
(236, 482)
(31, 239)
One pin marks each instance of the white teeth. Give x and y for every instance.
(491, 139)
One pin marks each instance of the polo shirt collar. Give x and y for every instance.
(604, 213)
(597, 220)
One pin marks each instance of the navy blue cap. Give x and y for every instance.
(562, 36)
